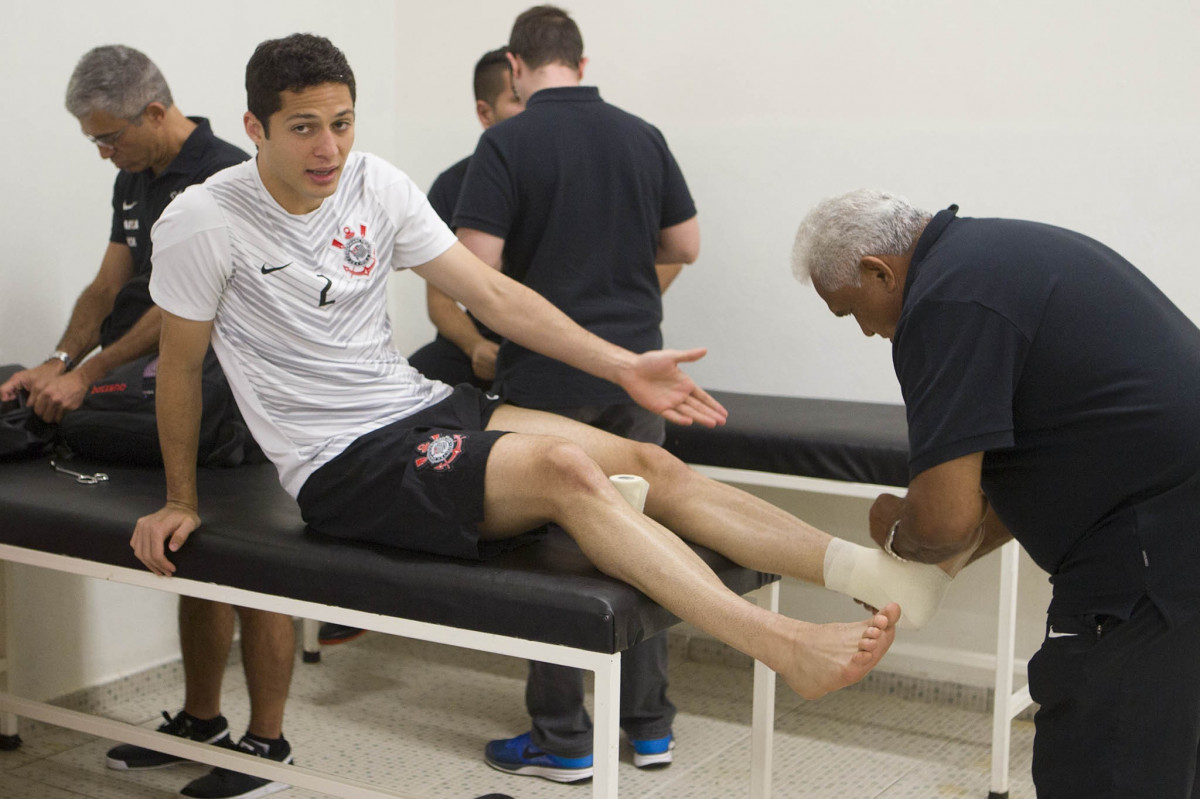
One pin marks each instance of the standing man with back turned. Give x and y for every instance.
(1046, 377)
(579, 201)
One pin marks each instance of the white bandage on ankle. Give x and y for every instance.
(874, 577)
(633, 488)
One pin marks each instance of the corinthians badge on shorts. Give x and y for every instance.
(440, 451)
(359, 251)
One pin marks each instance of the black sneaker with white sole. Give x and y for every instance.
(221, 783)
(128, 757)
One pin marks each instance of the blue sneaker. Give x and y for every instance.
(519, 756)
(653, 753)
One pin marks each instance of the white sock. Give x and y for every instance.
(633, 488)
(876, 578)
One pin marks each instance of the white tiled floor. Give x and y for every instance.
(413, 717)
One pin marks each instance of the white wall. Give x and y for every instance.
(1079, 112)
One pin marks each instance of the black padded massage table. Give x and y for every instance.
(542, 601)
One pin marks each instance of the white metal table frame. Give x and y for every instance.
(1007, 704)
(605, 667)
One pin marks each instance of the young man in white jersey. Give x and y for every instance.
(281, 264)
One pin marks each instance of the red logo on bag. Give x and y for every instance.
(440, 451)
(360, 252)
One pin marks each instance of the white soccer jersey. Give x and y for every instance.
(301, 326)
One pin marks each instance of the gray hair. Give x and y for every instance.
(118, 80)
(836, 235)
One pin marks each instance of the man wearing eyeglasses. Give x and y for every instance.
(124, 107)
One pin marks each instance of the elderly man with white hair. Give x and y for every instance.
(1053, 395)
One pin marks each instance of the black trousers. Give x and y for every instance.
(1120, 707)
(554, 694)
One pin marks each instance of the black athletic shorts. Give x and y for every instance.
(416, 483)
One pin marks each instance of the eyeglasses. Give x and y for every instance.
(108, 141)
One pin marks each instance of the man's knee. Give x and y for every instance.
(568, 473)
(660, 468)
(263, 618)
(194, 609)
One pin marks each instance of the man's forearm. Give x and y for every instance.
(139, 340)
(451, 321)
(522, 315)
(83, 330)
(178, 405)
(995, 535)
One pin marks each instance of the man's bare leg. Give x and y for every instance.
(533, 479)
(744, 528)
(268, 653)
(205, 636)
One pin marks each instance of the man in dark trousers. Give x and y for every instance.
(1053, 395)
(574, 180)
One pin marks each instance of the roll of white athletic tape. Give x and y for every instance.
(633, 488)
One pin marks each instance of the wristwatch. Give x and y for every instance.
(888, 542)
(64, 356)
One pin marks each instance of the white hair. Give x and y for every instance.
(118, 80)
(836, 235)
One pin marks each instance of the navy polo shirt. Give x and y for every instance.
(443, 194)
(443, 197)
(579, 190)
(1080, 381)
(139, 198)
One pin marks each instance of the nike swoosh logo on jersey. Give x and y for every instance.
(128, 206)
(266, 270)
(1056, 634)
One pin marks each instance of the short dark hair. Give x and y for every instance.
(293, 63)
(546, 35)
(489, 75)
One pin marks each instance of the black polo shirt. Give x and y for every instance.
(443, 197)
(443, 194)
(579, 190)
(139, 199)
(1080, 381)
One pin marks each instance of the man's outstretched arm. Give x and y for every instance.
(182, 347)
(653, 379)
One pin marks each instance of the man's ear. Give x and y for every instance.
(254, 128)
(487, 116)
(154, 113)
(876, 271)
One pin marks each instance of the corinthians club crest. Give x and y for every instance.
(358, 250)
(440, 451)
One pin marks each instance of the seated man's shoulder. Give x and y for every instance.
(192, 210)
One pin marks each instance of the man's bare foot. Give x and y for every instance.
(827, 657)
